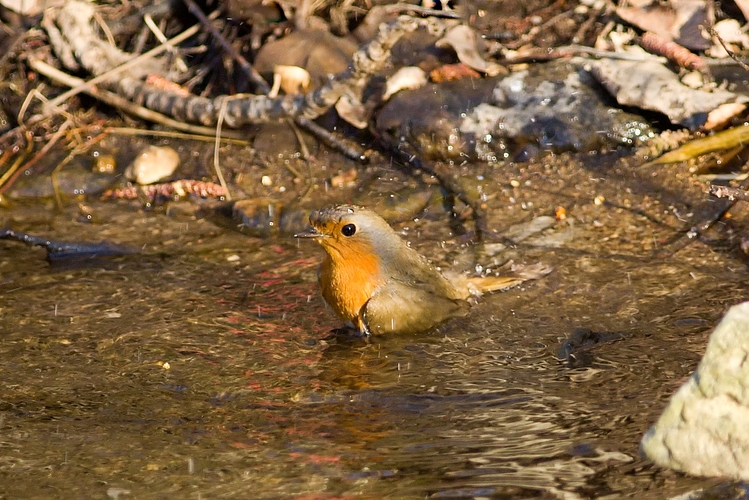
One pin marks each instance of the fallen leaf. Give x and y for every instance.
(462, 39)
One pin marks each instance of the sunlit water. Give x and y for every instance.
(204, 367)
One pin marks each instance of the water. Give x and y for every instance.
(204, 367)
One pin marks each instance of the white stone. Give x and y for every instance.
(705, 428)
(153, 164)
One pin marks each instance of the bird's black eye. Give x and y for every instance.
(348, 230)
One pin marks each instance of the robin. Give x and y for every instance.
(379, 284)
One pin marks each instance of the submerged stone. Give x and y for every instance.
(705, 428)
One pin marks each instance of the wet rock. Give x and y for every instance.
(153, 164)
(264, 216)
(576, 350)
(555, 107)
(704, 430)
(419, 48)
(261, 217)
(252, 9)
(71, 181)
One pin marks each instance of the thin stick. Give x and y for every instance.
(120, 102)
(424, 11)
(707, 214)
(572, 50)
(216, 148)
(181, 66)
(348, 148)
(299, 139)
(730, 53)
(56, 137)
(536, 30)
(103, 25)
(27, 102)
(14, 167)
(251, 72)
(174, 135)
(3, 158)
(192, 30)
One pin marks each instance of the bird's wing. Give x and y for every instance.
(398, 307)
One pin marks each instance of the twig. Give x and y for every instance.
(120, 102)
(7, 153)
(217, 148)
(534, 32)
(87, 85)
(572, 50)
(593, 14)
(713, 210)
(423, 11)
(181, 66)
(8, 176)
(349, 149)
(36, 92)
(449, 183)
(175, 135)
(53, 140)
(306, 156)
(251, 72)
(61, 249)
(730, 53)
(103, 25)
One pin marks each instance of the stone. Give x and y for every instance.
(704, 431)
(553, 107)
(153, 164)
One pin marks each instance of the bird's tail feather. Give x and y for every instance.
(479, 285)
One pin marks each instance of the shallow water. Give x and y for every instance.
(203, 366)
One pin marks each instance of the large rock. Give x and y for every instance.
(551, 107)
(705, 428)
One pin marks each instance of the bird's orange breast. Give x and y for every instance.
(349, 275)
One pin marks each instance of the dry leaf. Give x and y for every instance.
(650, 85)
(723, 114)
(462, 39)
(679, 20)
(350, 108)
(410, 77)
(450, 72)
(730, 32)
(743, 6)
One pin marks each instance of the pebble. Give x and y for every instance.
(104, 164)
(153, 164)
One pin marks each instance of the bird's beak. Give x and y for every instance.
(309, 233)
